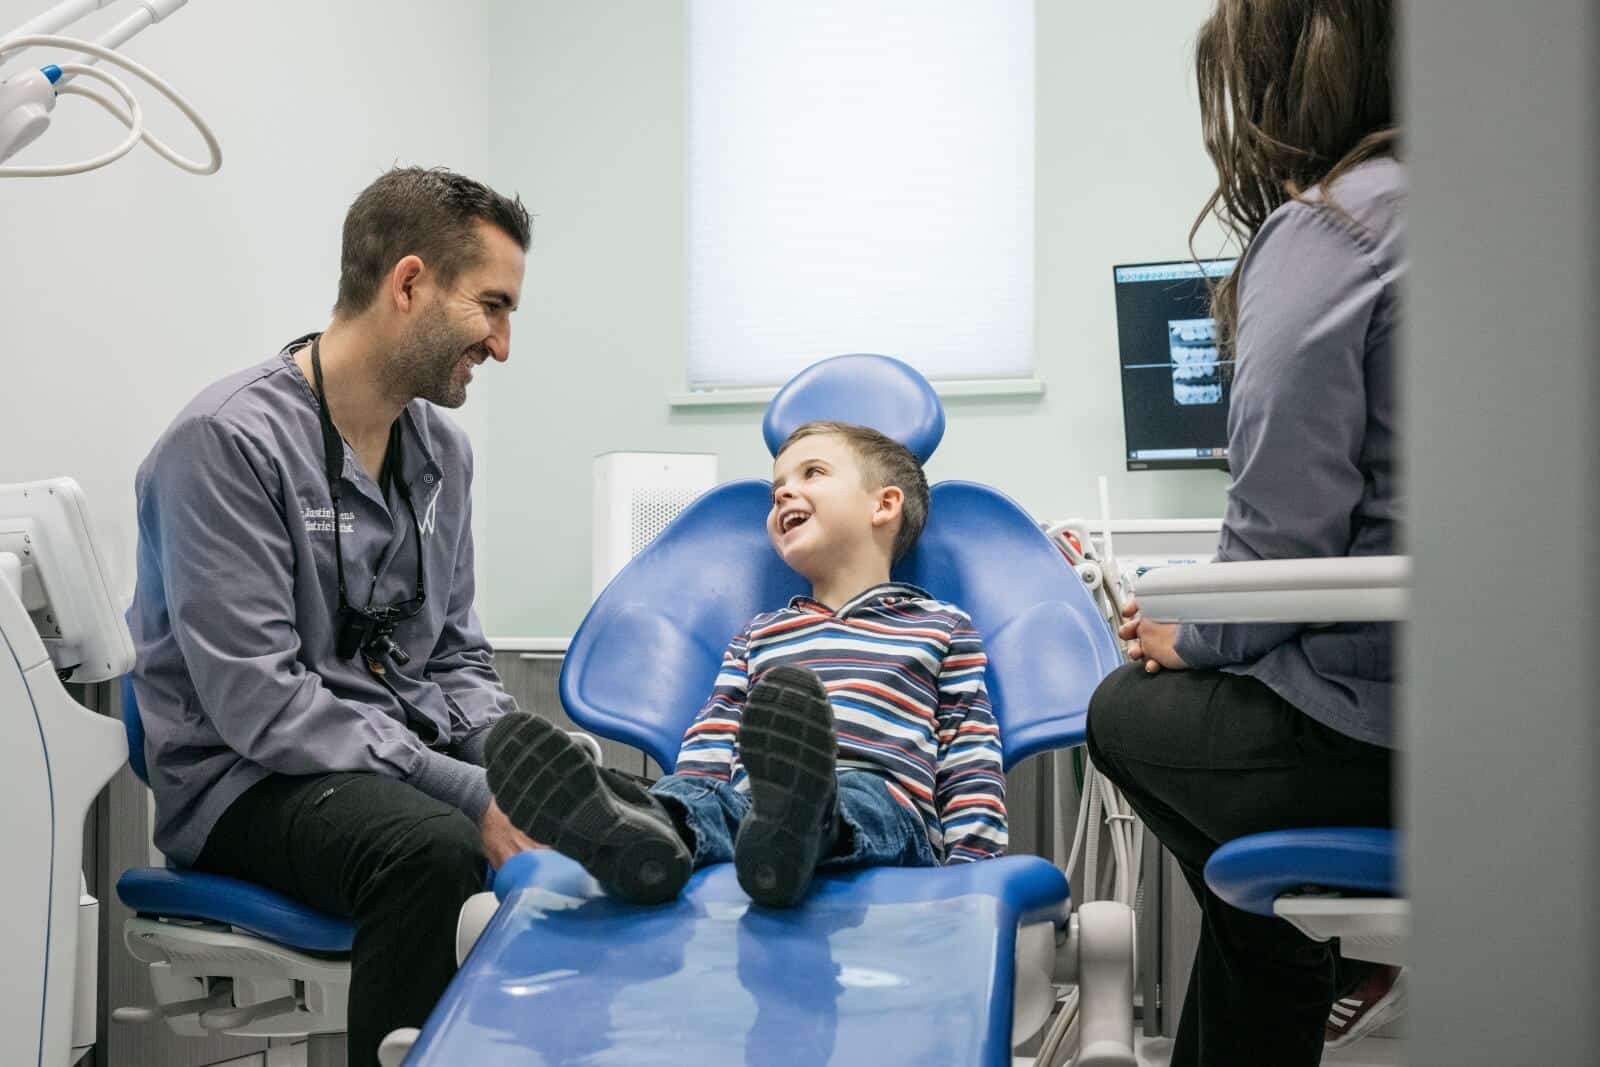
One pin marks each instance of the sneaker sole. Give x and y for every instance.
(790, 752)
(552, 791)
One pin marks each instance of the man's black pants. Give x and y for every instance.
(370, 848)
(1204, 757)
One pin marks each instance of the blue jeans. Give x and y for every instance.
(877, 830)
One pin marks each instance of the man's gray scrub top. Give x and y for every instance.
(234, 616)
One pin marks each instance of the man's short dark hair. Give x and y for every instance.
(427, 212)
(884, 462)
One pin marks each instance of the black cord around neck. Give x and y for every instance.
(333, 467)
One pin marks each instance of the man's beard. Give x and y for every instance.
(425, 364)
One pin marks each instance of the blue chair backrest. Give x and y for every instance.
(886, 394)
(135, 728)
(646, 656)
(1048, 646)
(644, 659)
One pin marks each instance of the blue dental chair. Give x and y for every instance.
(1329, 882)
(945, 965)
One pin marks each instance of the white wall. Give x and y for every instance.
(589, 127)
(124, 291)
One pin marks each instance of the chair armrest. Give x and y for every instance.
(1347, 589)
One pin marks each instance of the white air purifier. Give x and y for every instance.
(636, 496)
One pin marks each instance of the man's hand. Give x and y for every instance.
(1151, 642)
(501, 840)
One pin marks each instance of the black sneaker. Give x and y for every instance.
(787, 744)
(552, 791)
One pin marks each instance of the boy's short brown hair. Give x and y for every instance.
(884, 462)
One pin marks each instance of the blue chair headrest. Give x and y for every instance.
(877, 391)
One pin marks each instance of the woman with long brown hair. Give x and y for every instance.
(1218, 731)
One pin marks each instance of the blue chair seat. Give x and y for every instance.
(1253, 871)
(920, 962)
(164, 893)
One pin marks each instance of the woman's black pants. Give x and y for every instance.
(1205, 757)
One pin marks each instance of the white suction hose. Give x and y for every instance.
(1101, 803)
(132, 118)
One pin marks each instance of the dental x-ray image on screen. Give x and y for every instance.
(1196, 376)
(1174, 381)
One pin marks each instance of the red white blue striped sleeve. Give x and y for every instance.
(710, 742)
(970, 780)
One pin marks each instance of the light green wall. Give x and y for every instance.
(588, 126)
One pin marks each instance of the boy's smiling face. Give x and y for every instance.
(823, 514)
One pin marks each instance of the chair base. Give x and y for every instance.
(1376, 929)
(1033, 996)
(397, 1046)
(1101, 938)
(475, 915)
(237, 984)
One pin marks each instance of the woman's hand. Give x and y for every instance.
(1150, 642)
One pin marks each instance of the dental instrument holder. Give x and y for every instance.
(26, 99)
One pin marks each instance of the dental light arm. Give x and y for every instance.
(149, 13)
(1317, 591)
(27, 98)
(59, 17)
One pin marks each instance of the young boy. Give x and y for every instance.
(848, 729)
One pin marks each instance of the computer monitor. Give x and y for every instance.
(1174, 391)
(49, 553)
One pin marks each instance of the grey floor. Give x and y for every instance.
(1373, 1052)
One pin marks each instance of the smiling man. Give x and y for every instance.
(315, 687)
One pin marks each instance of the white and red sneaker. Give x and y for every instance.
(1377, 1000)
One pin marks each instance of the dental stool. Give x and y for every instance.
(883, 966)
(1329, 882)
(1335, 882)
(226, 956)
